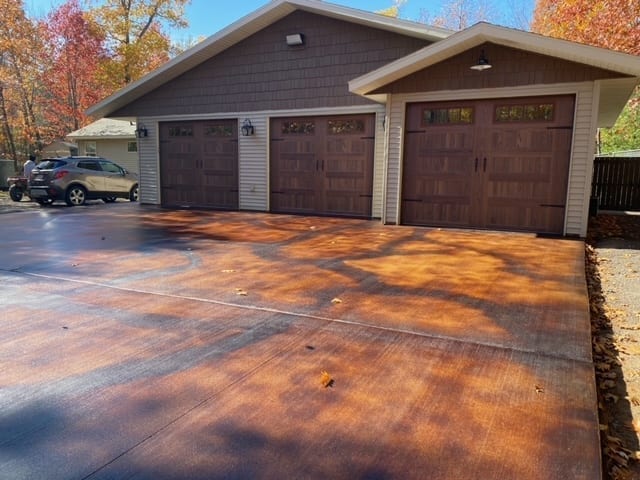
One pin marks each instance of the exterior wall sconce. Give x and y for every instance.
(141, 131)
(483, 63)
(295, 40)
(247, 129)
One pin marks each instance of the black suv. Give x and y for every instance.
(76, 179)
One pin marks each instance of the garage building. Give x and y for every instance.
(308, 107)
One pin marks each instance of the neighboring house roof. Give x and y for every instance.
(105, 128)
(60, 144)
(614, 93)
(247, 26)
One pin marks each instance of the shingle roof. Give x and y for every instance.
(103, 128)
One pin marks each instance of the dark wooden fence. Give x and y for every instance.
(616, 183)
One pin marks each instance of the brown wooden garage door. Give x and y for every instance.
(322, 165)
(498, 164)
(199, 164)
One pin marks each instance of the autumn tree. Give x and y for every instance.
(75, 48)
(394, 10)
(603, 24)
(20, 51)
(135, 36)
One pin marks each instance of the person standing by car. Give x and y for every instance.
(29, 166)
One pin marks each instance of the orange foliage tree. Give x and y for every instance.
(75, 49)
(135, 36)
(20, 49)
(612, 25)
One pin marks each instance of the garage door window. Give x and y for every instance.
(218, 131)
(302, 128)
(345, 127)
(180, 131)
(447, 116)
(537, 112)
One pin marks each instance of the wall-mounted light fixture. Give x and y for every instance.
(295, 39)
(247, 129)
(483, 63)
(141, 131)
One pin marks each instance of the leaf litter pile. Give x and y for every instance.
(616, 354)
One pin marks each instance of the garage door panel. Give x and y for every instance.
(345, 147)
(445, 142)
(322, 165)
(294, 201)
(524, 216)
(437, 211)
(514, 155)
(199, 163)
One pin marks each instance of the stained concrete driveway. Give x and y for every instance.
(149, 344)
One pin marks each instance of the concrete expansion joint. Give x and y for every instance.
(257, 308)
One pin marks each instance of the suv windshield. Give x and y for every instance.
(50, 164)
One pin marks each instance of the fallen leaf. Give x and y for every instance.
(606, 384)
(602, 366)
(228, 271)
(610, 397)
(241, 292)
(325, 379)
(630, 327)
(336, 300)
(539, 389)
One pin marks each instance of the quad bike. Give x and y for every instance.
(17, 187)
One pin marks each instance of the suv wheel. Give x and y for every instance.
(133, 194)
(76, 196)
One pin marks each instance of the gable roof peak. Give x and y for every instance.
(246, 26)
(483, 32)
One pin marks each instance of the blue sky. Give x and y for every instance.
(208, 16)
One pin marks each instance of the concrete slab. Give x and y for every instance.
(140, 343)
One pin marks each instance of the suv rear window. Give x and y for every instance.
(89, 165)
(50, 164)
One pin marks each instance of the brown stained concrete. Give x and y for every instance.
(143, 343)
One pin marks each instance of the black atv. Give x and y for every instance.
(17, 187)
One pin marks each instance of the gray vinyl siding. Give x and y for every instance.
(149, 175)
(394, 159)
(580, 172)
(253, 165)
(263, 73)
(379, 164)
